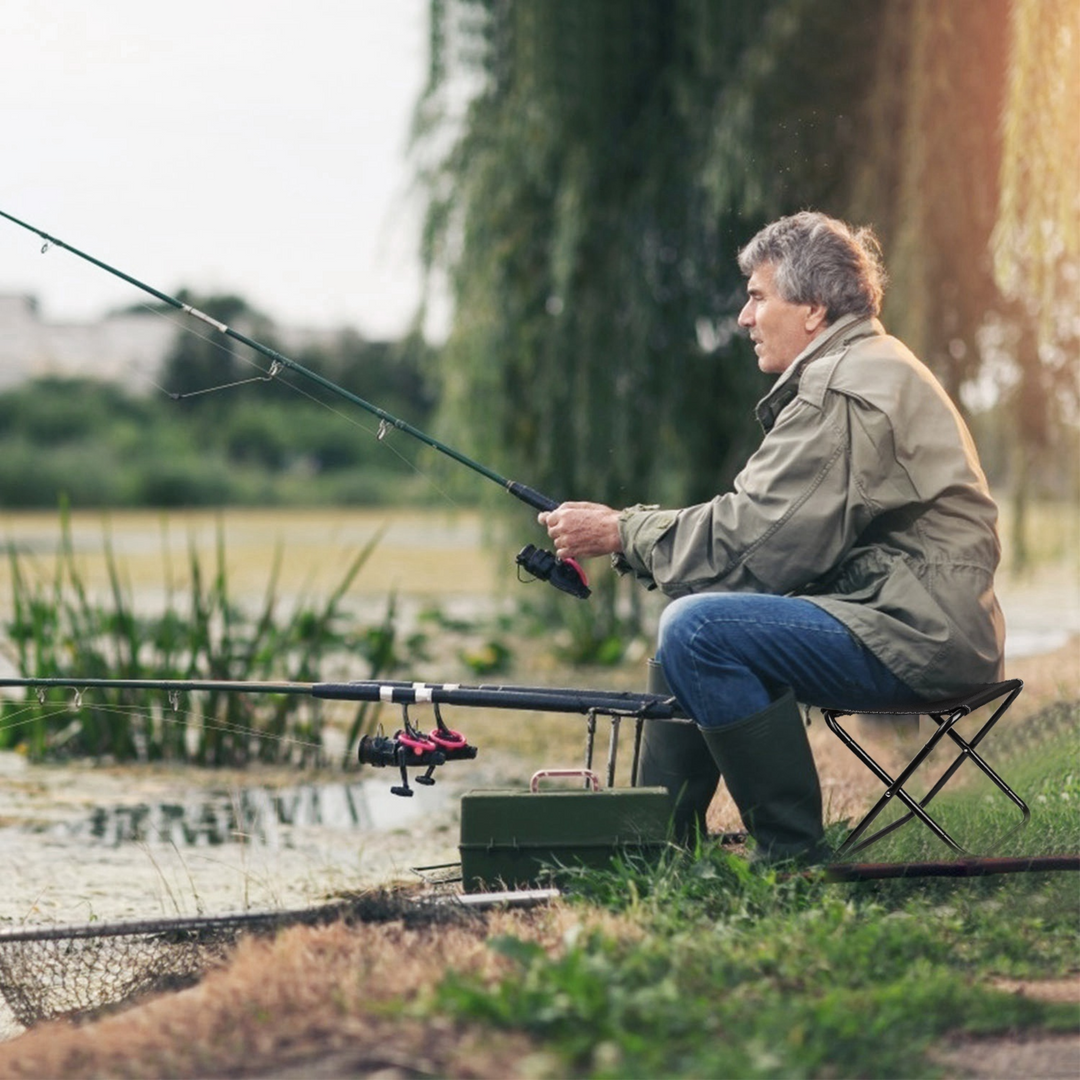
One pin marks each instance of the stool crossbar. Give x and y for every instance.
(945, 715)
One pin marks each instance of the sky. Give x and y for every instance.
(248, 146)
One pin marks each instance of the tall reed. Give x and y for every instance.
(58, 628)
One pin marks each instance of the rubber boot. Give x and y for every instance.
(769, 769)
(674, 756)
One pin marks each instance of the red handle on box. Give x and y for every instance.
(584, 774)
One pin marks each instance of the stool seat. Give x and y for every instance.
(945, 713)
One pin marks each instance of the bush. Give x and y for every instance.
(98, 447)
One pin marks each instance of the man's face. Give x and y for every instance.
(779, 329)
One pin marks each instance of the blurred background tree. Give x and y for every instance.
(1036, 248)
(93, 443)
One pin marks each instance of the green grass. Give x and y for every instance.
(754, 974)
(1043, 767)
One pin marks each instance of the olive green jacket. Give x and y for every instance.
(865, 497)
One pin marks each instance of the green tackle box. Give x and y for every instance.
(509, 839)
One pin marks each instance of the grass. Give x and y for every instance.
(78, 591)
(702, 967)
(736, 973)
(797, 985)
(1043, 757)
(1051, 535)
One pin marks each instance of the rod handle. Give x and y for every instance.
(529, 495)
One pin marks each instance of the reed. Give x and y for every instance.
(59, 628)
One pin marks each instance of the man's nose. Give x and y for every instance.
(746, 316)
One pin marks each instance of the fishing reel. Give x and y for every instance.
(409, 746)
(564, 574)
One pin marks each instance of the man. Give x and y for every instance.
(852, 565)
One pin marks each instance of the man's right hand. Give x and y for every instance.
(582, 530)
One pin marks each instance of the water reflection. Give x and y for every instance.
(257, 815)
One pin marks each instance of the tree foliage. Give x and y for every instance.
(1037, 246)
(1037, 242)
(928, 179)
(612, 158)
(570, 215)
(95, 444)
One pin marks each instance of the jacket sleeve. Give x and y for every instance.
(796, 509)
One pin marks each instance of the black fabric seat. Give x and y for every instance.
(945, 715)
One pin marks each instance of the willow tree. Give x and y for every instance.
(929, 176)
(973, 178)
(573, 228)
(611, 155)
(583, 211)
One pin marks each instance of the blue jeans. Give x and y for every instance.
(726, 656)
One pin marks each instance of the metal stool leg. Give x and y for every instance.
(945, 715)
(894, 787)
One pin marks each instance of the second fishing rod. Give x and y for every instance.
(566, 575)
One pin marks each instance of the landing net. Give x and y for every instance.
(79, 971)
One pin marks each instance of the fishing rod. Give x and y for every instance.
(392, 692)
(409, 746)
(565, 574)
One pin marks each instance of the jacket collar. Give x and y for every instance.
(837, 336)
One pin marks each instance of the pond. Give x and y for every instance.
(83, 843)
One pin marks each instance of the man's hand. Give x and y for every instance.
(582, 530)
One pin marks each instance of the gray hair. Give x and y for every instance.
(820, 260)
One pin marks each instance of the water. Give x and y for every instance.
(82, 843)
(250, 815)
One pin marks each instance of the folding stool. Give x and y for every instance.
(945, 715)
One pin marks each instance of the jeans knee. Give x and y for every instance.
(675, 624)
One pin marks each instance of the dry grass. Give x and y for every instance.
(426, 553)
(330, 994)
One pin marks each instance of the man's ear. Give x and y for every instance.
(815, 318)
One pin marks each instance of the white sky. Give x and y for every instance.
(250, 146)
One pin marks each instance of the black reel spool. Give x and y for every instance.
(410, 746)
(564, 574)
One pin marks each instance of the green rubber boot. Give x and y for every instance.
(674, 755)
(769, 769)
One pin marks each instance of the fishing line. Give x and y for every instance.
(268, 377)
(185, 718)
(564, 574)
(35, 715)
(274, 372)
(170, 713)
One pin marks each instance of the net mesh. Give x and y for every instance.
(73, 972)
(80, 971)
